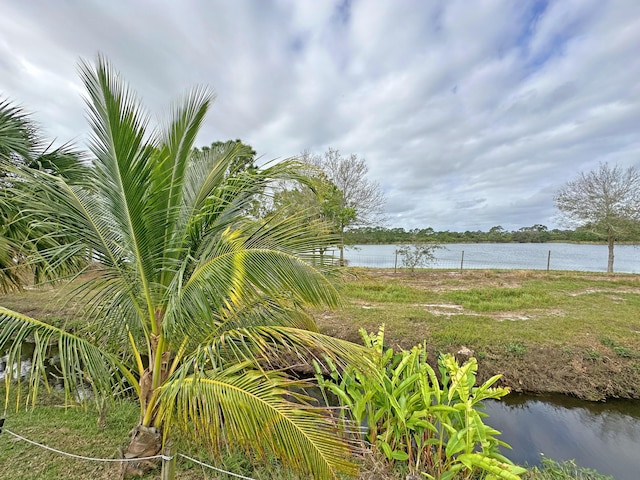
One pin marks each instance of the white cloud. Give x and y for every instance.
(469, 115)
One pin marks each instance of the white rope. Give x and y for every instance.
(139, 459)
(82, 457)
(214, 468)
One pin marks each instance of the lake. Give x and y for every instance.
(529, 256)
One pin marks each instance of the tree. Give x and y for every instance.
(418, 254)
(317, 201)
(606, 200)
(534, 234)
(358, 201)
(497, 234)
(194, 308)
(244, 159)
(22, 147)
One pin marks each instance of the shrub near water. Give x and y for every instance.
(409, 416)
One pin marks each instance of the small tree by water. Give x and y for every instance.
(418, 255)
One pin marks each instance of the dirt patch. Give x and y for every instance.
(612, 292)
(586, 374)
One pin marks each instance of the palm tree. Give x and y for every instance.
(16, 141)
(22, 147)
(194, 306)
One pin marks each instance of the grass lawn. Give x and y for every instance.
(76, 430)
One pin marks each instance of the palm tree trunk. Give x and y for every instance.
(145, 442)
(146, 437)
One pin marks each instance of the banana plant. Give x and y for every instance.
(434, 426)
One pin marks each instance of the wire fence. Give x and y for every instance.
(465, 261)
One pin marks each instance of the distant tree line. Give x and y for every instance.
(533, 234)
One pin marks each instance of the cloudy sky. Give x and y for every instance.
(470, 114)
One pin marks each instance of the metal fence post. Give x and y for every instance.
(462, 261)
(548, 260)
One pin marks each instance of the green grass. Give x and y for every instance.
(558, 308)
(552, 470)
(75, 430)
(501, 299)
(377, 292)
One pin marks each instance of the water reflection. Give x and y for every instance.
(602, 436)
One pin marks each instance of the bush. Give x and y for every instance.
(418, 255)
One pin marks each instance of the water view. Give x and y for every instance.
(601, 436)
(535, 256)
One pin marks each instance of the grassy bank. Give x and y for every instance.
(566, 332)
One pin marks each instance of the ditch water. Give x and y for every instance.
(604, 436)
(601, 436)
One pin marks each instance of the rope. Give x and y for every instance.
(82, 457)
(94, 459)
(214, 468)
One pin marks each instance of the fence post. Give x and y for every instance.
(548, 260)
(462, 261)
(169, 462)
(395, 263)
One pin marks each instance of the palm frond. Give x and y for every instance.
(9, 274)
(81, 362)
(286, 347)
(258, 412)
(65, 161)
(18, 135)
(124, 168)
(249, 285)
(171, 167)
(48, 202)
(265, 271)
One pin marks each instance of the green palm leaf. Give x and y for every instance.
(249, 408)
(81, 362)
(17, 133)
(282, 347)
